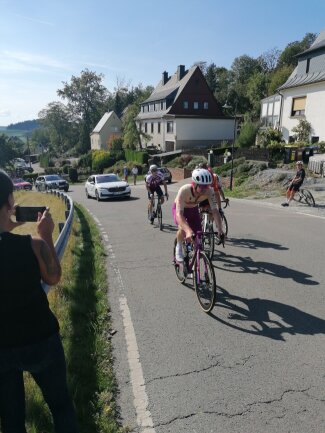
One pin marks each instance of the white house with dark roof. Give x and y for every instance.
(302, 96)
(110, 124)
(182, 113)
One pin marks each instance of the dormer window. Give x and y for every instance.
(185, 105)
(307, 66)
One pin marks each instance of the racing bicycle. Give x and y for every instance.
(156, 212)
(198, 266)
(211, 236)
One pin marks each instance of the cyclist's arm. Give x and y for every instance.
(214, 209)
(165, 186)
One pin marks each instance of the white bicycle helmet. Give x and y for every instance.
(201, 176)
(153, 167)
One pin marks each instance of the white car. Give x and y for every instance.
(109, 185)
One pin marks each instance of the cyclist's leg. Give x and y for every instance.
(150, 203)
(160, 194)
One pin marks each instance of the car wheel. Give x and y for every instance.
(97, 195)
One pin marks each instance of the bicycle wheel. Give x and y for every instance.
(204, 281)
(159, 215)
(180, 267)
(224, 224)
(308, 197)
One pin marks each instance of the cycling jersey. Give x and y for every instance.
(153, 181)
(186, 199)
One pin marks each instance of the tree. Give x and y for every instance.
(57, 121)
(247, 134)
(302, 130)
(279, 77)
(288, 55)
(7, 151)
(131, 134)
(256, 90)
(210, 77)
(87, 101)
(269, 59)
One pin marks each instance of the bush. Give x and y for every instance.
(85, 161)
(101, 159)
(247, 135)
(65, 169)
(268, 136)
(73, 174)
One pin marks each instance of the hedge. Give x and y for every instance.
(135, 155)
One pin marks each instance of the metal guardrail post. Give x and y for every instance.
(65, 230)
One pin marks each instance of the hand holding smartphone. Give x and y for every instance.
(28, 213)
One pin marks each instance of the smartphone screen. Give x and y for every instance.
(30, 213)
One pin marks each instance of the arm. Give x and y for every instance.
(213, 201)
(44, 250)
(165, 187)
(182, 223)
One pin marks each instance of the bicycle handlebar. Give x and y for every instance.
(226, 201)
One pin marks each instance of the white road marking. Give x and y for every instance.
(144, 418)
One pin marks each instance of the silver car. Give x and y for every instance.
(101, 186)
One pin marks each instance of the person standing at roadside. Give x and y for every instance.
(135, 174)
(29, 331)
(126, 173)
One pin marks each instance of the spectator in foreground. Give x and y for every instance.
(29, 331)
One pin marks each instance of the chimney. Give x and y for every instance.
(164, 77)
(180, 72)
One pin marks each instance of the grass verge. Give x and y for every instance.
(81, 305)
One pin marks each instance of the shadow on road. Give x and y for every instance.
(248, 266)
(254, 244)
(264, 317)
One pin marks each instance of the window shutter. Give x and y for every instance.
(299, 104)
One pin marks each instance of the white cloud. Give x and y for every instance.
(35, 20)
(34, 60)
(5, 113)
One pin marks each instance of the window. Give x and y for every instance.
(145, 127)
(162, 105)
(195, 105)
(170, 127)
(152, 128)
(298, 106)
(307, 66)
(185, 105)
(206, 105)
(158, 127)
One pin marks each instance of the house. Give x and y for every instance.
(109, 125)
(182, 113)
(302, 96)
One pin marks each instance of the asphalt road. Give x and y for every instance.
(256, 364)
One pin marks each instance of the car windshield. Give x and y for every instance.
(108, 178)
(53, 177)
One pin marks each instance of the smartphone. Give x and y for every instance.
(30, 213)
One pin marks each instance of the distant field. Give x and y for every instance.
(21, 133)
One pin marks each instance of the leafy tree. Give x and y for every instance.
(87, 101)
(40, 139)
(288, 55)
(132, 136)
(56, 119)
(210, 77)
(269, 135)
(279, 77)
(256, 90)
(269, 59)
(302, 130)
(7, 151)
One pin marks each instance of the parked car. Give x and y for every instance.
(167, 174)
(21, 165)
(22, 184)
(51, 181)
(109, 185)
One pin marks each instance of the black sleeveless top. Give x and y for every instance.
(25, 316)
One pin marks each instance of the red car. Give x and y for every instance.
(22, 184)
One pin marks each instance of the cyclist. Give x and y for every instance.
(296, 183)
(217, 187)
(153, 181)
(185, 208)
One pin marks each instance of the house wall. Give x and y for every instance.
(314, 110)
(190, 132)
(111, 127)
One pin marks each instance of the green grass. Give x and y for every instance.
(81, 305)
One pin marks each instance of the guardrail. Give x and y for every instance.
(65, 228)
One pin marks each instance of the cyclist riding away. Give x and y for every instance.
(153, 181)
(185, 208)
(296, 183)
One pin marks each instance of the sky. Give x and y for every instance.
(43, 43)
